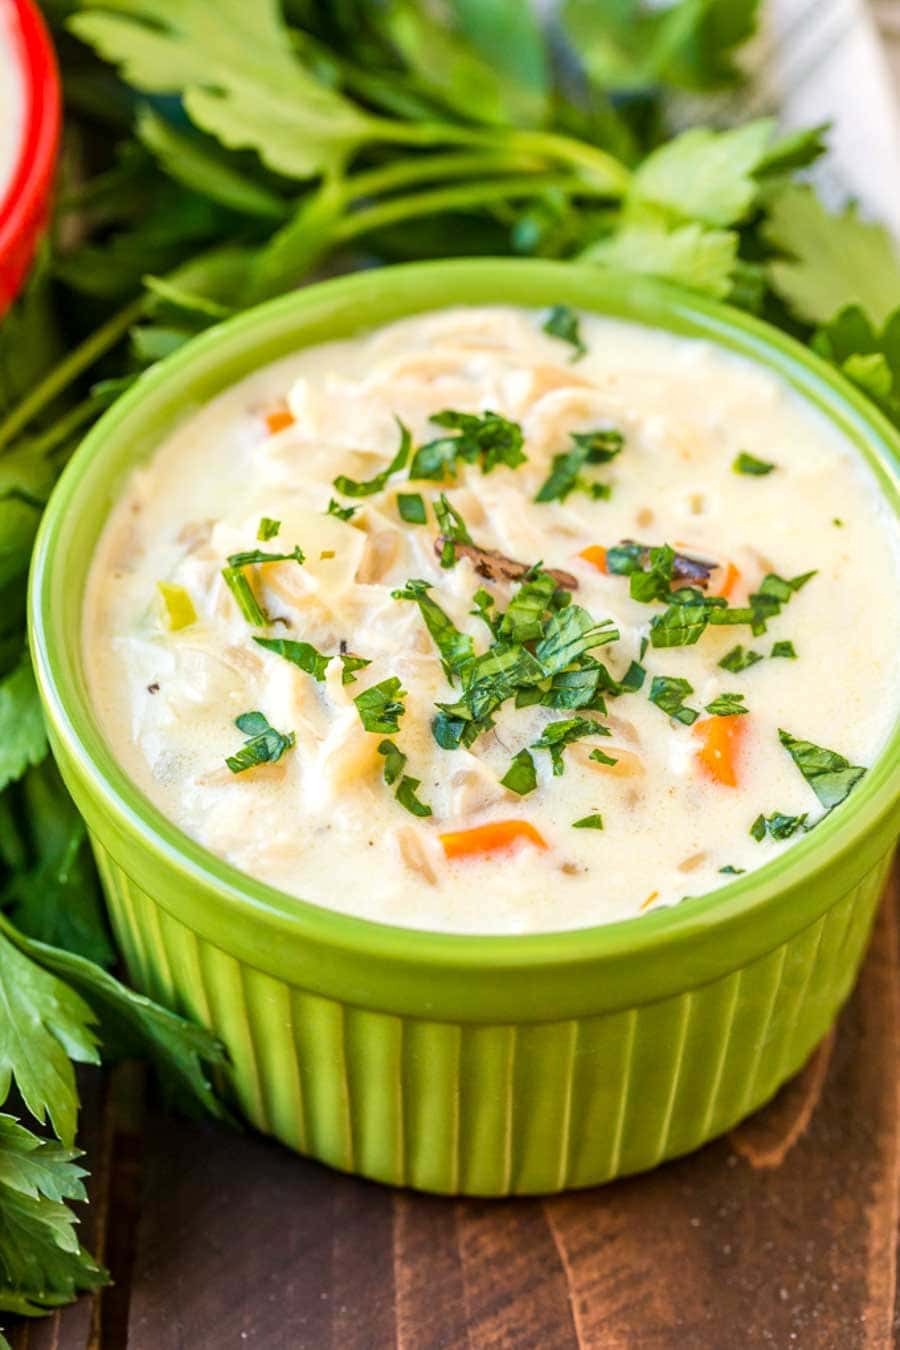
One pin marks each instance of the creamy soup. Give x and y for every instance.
(11, 101)
(498, 621)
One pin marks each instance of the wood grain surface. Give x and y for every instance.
(784, 1234)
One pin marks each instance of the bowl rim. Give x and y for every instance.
(641, 958)
(23, 204)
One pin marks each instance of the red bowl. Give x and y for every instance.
(25, 203)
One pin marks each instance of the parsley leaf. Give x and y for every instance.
(679, 625)
(268, 529)
(750, 465)
(557, 735)
(562, 323)
(668, 692)
(381, 706)
(341, 512)
(457, 649)
(254, 556)
(602, 758)
(594, 822)
(568, 634)
(411, 506)
(830, 261)
(730, 871)
(264, 745)
(691, 254)
(239, 76)
(485, 438)
(351, 664)
(521, 776)
(453, 530)
(301, 654)
(785, 649)
(589, 447)
(777, 826)
(23, 740)
(394, 760)
(523, 619)
(869, 358)
(738, 659)
(831, 776)
(45, 1025)
(727, 705)
(41, 1261)
(349, 487)
(406, 796)
(704, 175)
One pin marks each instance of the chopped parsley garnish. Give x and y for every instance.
(341, 512)
(351, 663)
(394, 761)
(727, 705)
(730, 871)
(568, 635)
(679, 625)
(484, 438)
(268, 529)
(255, 555)
(774, 592)
(557, 735)
(406, 796)
(484, 602)
(264, 745)
(690, 611)
(457, 649)
(411, 506)
(831, 776)
(749, 464)
(239, 584)
(301, 654)
(602, 758)
(562, 323)
(350, 487)
(589, 447)
(521, 776)
(594, 822)
(453, 530)
(785, 649)
(668, 692)
(381, 707)
(245, 598)
(738, 659)
(777, 826)
(523, 620)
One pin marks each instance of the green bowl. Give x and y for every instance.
(451, 1063)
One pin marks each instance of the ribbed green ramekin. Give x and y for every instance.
(483, 1066)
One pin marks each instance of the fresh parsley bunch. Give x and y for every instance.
(216, 155)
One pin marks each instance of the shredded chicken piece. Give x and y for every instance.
(414, 853)
(195, 534)
(495, 566)
(381, 552)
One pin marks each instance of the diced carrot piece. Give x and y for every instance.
(729, 581)
(595, 554)
(720, 742)
(494, 837)
(279, 419)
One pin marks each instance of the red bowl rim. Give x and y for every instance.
(23, 205)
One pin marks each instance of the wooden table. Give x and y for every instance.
(782, 1235)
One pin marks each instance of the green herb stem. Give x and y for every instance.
(431, 168)
(458, 197)
(62, 375)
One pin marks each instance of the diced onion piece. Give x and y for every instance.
(495, 837)
(720, 742)
(595, 554)
(178, 606)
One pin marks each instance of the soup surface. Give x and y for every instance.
(11, 102)
(498, 621)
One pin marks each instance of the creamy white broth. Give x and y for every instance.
(12, 102)
(321, 823)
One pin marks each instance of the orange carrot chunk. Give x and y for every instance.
(595, 554)
(494, 837)
(279, 419)
(729, 581)
(720, 742)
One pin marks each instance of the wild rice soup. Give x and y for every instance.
(498, 621)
